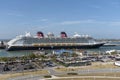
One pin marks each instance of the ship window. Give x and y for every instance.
(19, 42)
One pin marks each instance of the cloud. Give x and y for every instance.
(115, 4)
(70, 22)
(15, 14)
(44, 20)
(64, 24)
(88, 21)
(117, 23)
(96, 6)
(76, 22)
(36, 28)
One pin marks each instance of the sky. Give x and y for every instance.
(97, 18)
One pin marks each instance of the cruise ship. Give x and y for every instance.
(49, 41)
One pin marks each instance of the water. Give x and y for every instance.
(103, 49)
(4, 53)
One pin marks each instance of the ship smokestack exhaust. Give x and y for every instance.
(63, 35)
(40, 34)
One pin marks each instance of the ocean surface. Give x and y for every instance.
(4, 53)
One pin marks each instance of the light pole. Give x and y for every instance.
(39, 48)
(52, 49)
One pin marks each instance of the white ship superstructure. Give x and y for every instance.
(40, 41)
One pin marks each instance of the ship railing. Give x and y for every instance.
(22, 45)
(59, 44)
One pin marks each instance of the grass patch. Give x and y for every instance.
(47, 76)
(87, 79)
(93, 76)
(12, 75)
(65, 69)
(117, 74)
(72, 73)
